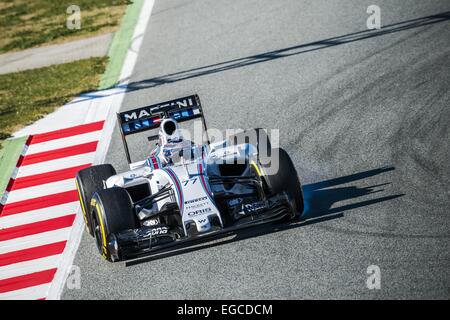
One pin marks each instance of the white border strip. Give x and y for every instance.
(35, 240)
(30, 266)
(41, 190)
(30, 293)
(54, 165)
(64, 142)
(24, 218)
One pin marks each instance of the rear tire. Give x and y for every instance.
(111, 212)
(89, 181)
(285, 180)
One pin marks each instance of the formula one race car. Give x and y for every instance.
(183, 191)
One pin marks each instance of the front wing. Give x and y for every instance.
(142, 243)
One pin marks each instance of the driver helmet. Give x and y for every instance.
(169, 132)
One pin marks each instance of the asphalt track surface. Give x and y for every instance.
(365, 117)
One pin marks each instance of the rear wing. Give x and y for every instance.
(149, 117)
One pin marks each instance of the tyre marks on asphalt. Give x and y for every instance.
(39, 208)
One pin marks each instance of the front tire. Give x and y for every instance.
(111, 212)
(285, 180)
(89, 181)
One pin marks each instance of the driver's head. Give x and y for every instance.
(169, 131)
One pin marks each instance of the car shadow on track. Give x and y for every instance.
(270, 56)
(319, 200)
(320, 197)
(288, 52)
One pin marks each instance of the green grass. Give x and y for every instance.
(30, 23)
(29, 95)
(10, 151)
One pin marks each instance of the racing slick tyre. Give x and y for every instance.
(89, 181)
(285, 180)
(111, 212)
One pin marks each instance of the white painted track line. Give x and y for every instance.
(63, 142)
(27, 267)
(31, 293)
(115, 101)
(35, 240)
(53, 165)
(23, 218)
(41, 190)
(84, 110)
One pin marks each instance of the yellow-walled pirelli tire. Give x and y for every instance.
(284, 179)
(111, 212)
(89, 181)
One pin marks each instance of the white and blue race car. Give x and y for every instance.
(183, 191)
